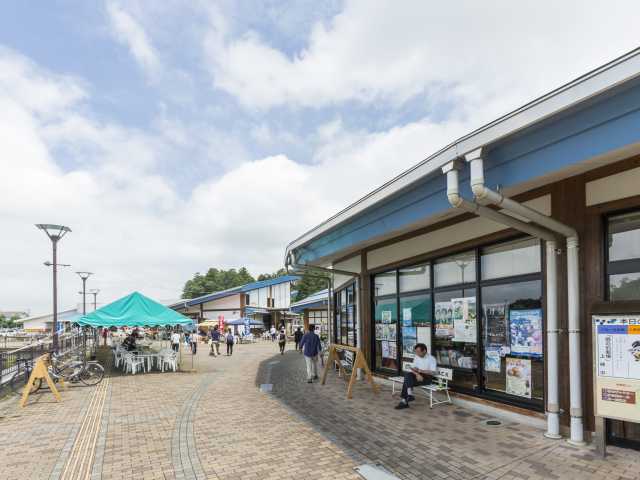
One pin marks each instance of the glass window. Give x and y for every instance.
(386, 333)
(414, 278)
(384, 284)
(455, 269)
(624, 237)
(345, 316)
(624, 257)
(513, 339)
(415, 315)
(510, 259)
(624, 286)
(455, 336)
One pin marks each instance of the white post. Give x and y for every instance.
(553, 402)
(575, 370)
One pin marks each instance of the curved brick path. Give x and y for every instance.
(213, 424)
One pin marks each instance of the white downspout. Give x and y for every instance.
(486, 195)
(453, 194)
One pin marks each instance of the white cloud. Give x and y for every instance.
(130, 33)
(473, 53)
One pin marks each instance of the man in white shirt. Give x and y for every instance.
(423, 367)
(175, 341)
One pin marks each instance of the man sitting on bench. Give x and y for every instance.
(424, 365)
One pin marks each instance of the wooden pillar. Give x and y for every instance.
(365, 306)
(305, 319)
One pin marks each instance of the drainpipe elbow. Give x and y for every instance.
(454, 199)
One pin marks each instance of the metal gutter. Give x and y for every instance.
(595, 82)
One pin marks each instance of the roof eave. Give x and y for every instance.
(593, 83)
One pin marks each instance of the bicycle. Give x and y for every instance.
(90, 372)
(21, 376)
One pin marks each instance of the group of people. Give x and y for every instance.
(216, 337)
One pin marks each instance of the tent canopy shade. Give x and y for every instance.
(134, 310)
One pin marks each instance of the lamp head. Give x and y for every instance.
(84, 275)
(54, 232)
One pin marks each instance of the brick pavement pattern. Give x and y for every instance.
(217, 424)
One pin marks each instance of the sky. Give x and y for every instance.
(175, 136)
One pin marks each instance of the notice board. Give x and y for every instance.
(616, 341)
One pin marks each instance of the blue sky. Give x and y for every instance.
(175, 136)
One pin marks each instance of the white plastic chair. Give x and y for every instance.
(133, 363)
(170, 360)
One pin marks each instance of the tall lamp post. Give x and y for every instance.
(95, 293)
(84, 276)
(55, 234)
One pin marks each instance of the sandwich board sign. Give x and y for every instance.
(616, 342)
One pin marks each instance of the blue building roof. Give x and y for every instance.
(235, 290)
(315, 300)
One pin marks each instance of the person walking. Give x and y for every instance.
(175, 341)
(194, 343)
(297, 336)
(215, 342)
(311, 347)
(230, 339)
(273, 333)
(282, 341)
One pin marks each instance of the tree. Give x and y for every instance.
(268, 276)
(215, 280)
(310, 283)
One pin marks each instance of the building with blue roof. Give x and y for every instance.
(498, 251)
(314, 311)
(267, 301)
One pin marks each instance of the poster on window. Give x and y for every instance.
(492, 360)
(390, 332)
(406, 317)
(386, 351)
(526, 331)
(386, 316)
(444, 320)
(464, 319)
(518, 376)
(496, 321)
(409, 339)
(379, 331)
(424, 336)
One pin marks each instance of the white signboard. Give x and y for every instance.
(617, 358)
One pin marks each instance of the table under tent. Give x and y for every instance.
(143, 319)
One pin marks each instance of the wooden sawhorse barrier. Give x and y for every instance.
(359, 362)
(40, 370)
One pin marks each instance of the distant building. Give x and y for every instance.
(267, 301)
(44, 322)
(314, 312)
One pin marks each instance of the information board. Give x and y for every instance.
(616, 340)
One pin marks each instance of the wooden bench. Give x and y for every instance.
(440, 383)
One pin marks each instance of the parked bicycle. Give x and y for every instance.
(88, 372)
(21, 376)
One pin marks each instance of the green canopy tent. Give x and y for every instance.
(134, 310)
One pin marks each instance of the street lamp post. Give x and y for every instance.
(55, 234)
(84, 276)
(95, 292)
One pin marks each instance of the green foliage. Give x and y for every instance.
(8, 322)
(310, 283)
(215, 280)
(268, 276)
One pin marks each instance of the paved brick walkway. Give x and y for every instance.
(446, 442)
(217, 424)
